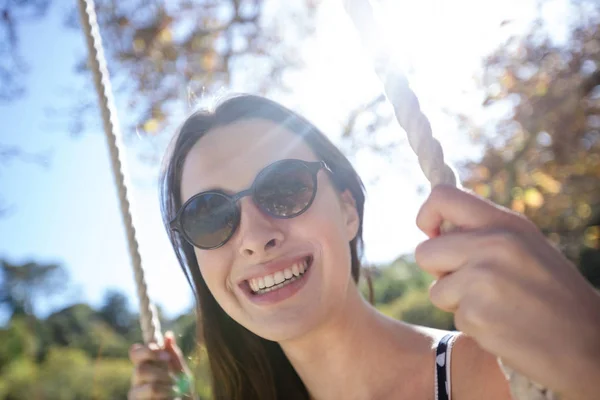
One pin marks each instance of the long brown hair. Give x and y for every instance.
(244, 365)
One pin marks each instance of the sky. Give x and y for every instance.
(69, 214)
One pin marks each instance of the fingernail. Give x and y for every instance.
(163, 356)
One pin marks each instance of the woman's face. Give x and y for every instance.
(262, 248)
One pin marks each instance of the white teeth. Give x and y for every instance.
(269, 281)
(295, 270)
(278, 277)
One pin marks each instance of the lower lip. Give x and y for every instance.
(281, 294)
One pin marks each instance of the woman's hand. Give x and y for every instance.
(155, 370)
(512, 291)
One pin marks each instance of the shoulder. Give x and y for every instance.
(476, 373)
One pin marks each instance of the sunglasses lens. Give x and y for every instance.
(286, 189)
(209, 220)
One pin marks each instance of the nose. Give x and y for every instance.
(258, 234)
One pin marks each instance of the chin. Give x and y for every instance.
(283, 332)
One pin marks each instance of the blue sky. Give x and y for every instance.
(68, 213)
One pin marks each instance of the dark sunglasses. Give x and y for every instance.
(284, 189)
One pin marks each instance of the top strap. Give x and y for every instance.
(443, 386)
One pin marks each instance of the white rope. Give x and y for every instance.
(148, 316)
(426, 147)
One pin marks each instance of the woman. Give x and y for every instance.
(265, 215)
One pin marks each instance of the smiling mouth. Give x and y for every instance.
(280, 279)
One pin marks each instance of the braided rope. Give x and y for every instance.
(426, 147)
(148, 315)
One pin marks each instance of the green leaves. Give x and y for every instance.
(401, 291)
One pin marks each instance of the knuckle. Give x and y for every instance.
(517, 221)
(524, 223)
(485, 279)
(140, 354)
(503, 241)
(470, 317)
(489, 295)
(134, 350)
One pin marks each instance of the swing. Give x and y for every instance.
(408, 114)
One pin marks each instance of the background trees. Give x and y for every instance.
(540, 155)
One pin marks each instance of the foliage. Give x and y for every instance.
(17, 341)
(20, 285)
(542, 157)
(12, 67)
(401, 291)
(115, 311)
(80, 352)
(18, 380)
(164, 55)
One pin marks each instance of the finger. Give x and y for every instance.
(148, 372)
(139, 353)
(447, 292)
(446, 253)
(465, 211)
(452, 251)
(151, 391)
(177, 359)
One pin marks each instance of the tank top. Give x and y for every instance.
(443, 386)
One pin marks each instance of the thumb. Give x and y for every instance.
(177, 360)
(465, 211)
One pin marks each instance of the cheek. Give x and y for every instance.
(215, 267)
(330, 218)
(327, 228)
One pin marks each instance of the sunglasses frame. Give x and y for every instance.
(313, 167)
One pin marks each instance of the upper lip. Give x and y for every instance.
(270, 267)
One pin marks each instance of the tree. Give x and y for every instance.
(170, 51)
(13, 14)
(21, 285)
(542, 158)
(17, 340)
(115, 312)
(81, 327)
(163, 56)
(401, 291)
